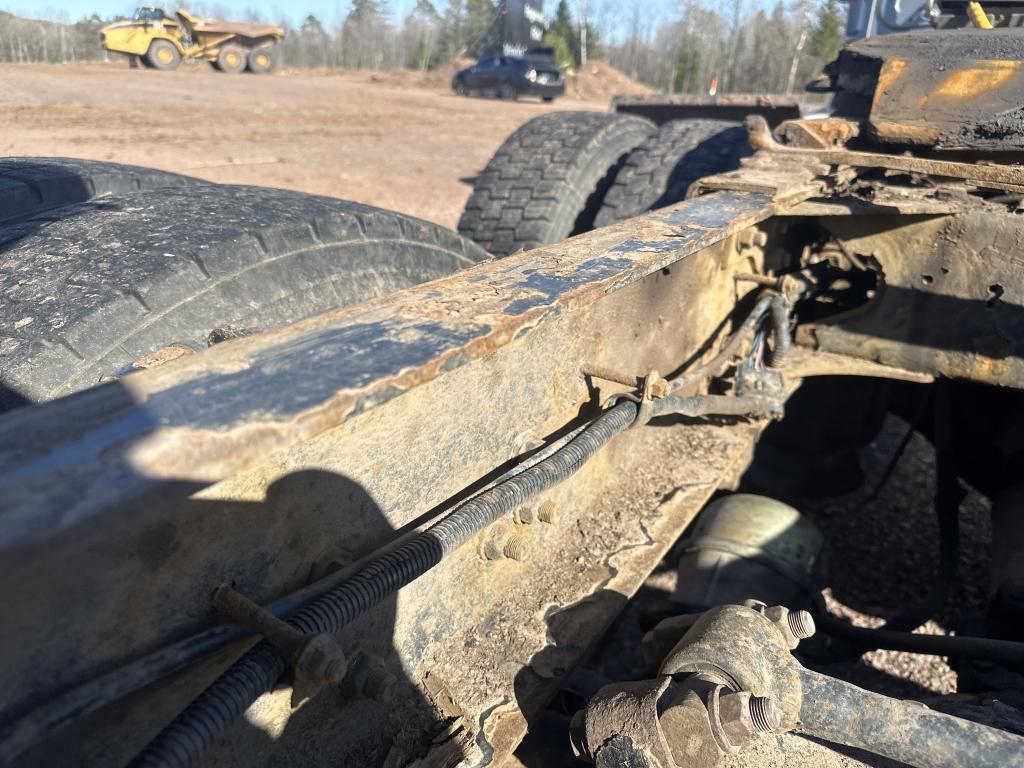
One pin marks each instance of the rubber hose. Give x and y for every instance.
(1004, 652)
(182, 742)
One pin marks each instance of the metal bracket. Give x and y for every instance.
(317, 659)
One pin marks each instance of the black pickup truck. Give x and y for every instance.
(534, 74)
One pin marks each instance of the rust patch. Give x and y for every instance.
(892, 71)
(977, 80)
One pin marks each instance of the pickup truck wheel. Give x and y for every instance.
(659, 171)
(508, 92)
(232, 59)
(263, 59)
(153, 274)
(163, 54)
(31, 185)
(549, 178)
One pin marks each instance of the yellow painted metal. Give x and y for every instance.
(977, 15)
(194, 37)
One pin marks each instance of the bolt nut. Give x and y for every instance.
(548, 512)
(743, 716)
(492, 541)
(321, 661)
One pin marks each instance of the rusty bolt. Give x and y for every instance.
(743, 715)
(748, 239)
(801, 624)
(765, 713)
(516, 547)
(492, 544)
(548, 512)
(794, 625)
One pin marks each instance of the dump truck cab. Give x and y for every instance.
(149, 13)
(162, 42)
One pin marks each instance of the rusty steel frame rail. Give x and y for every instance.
(151, 441)
(206, 417)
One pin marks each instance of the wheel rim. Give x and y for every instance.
(164, 55)
(262, 60)
(232, 59)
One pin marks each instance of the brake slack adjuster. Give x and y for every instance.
(731, 678)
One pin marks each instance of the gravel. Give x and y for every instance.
(880, 557)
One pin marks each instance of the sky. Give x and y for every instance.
(295, 10)
(328, 11)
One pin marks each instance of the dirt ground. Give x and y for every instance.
(402, 141)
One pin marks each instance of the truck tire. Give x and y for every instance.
(163, 54)
(263, 59)
(659, 171)
(31, 185)
(547, 181)
(232, 59)
(102, 287)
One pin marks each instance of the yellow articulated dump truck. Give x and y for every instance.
(162, 41)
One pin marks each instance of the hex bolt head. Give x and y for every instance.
(801, 624)
(765, 714)
(516, 547)
(743, 715)
(734, 717)
(548, 512)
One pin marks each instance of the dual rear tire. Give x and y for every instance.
(566, 173)
(234, 59)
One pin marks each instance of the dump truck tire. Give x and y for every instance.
(31, 185)
(163, 54)
(659, 171)
(263, 59)
(547, 181)
(232, 59)
(166, 271)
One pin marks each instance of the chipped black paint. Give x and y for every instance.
(546, 287)
(697, 220)
(311, 370)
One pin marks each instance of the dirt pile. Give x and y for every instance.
(597, 80)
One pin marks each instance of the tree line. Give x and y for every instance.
(738, 46)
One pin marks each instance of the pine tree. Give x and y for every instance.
(364, 11)
(827, 35)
